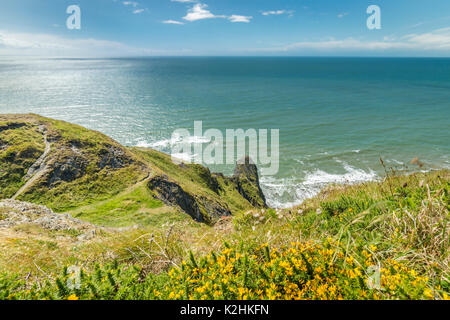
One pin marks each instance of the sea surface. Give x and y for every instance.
(336, 116)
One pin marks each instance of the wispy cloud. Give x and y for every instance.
(278, 12)
(437, 40)
(31, 44)
(343, 14)
(200, 12)
(172, 22)
(134, 5)
(130, 3)
(237, 18)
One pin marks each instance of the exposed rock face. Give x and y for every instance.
(80, 166)
(203, 208)
(73, 162)
(113, 157)
(12, 125)
(69, 168)
(247, 180)
(209, 179)
(13, 213)
(172, 194)
(199, 208)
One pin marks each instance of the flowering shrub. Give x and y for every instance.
(298, 271)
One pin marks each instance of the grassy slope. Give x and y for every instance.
(195, 179)
(103, 195)
(403, 219)
(19, 149)
(400, 224)
(96, 184)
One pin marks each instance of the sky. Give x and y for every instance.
(225, 28)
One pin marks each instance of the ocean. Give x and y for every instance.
(336, 116)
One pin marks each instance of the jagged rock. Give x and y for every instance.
(172, 194)
(14, 213)
(209, 179)
(214, 209)
(68, 169)
(113, 157)
(247, 180)
(80, 166)
(200, 208)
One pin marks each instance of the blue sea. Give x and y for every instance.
(336, 116)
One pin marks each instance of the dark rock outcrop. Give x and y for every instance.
(208, 178)
(247, 180)
(113, 157)
(12, 125)
(71, 167)
(172, 194)
(201, 209)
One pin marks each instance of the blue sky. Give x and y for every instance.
(225, 27)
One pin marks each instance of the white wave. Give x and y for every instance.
(143, 144)
(352, 175)
(396, 161)
(161, 144)
(183, 157)
(286, 193)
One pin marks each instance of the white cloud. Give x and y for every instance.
(184, 1)
(437, 40)
(341, 15)
(138, 11)
(172, 22)
(237, 18)
(277, 12)
(199, 12)
(30, 44)
(130, 3)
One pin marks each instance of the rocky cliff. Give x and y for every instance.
(65, 167)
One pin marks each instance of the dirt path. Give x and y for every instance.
(37, 169)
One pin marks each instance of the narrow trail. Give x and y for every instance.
(37, 169)
(124, 192)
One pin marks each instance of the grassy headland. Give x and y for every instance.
(387, 239)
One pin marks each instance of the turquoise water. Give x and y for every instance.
(336, 116)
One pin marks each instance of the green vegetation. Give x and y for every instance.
(329, 248)
(197, 180)
(380, 240)
(21, 145)
(86, 170)
(135, 206)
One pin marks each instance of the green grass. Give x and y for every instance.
(80, 152)
(400, 224)
(70, 143)
(22, 147)
(86, 190)
(196, 180)
(133, 207)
